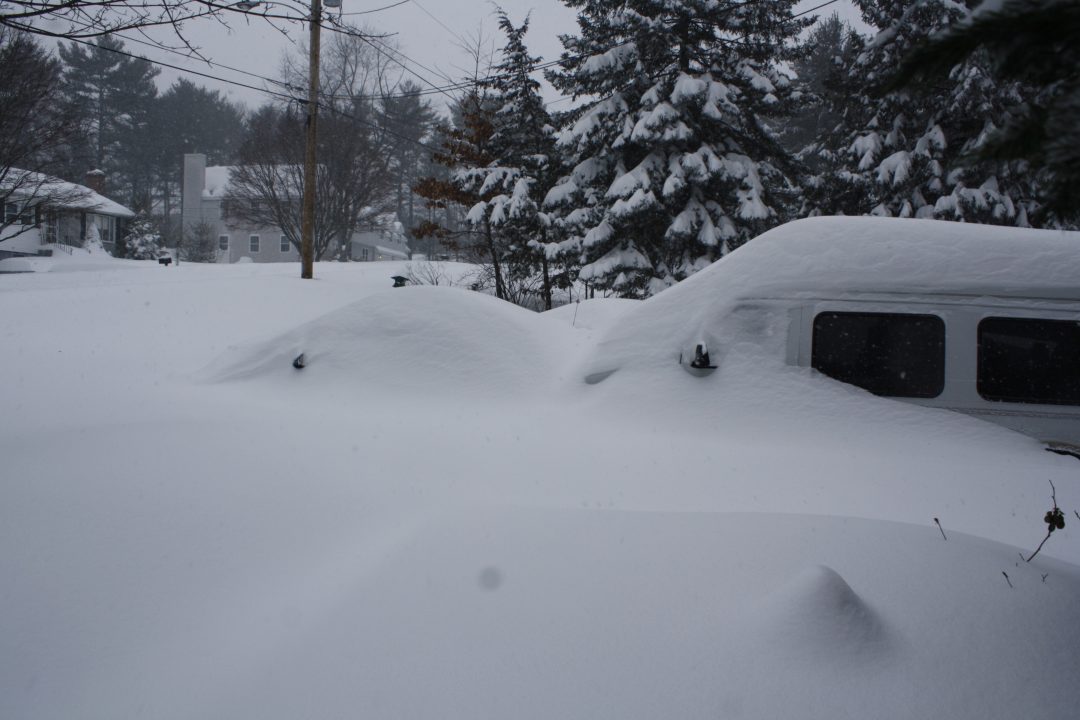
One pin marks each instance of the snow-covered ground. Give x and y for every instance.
(439, 518)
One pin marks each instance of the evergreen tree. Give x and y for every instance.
(142, 241)
(902, 154)
(673, 164)
(410, 122)
(188, 118)
(466, 146)
(115, 95)
(1035, 42)
(198, 244)
(520, 172)
(826, 48)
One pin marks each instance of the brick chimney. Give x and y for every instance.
(95, 180)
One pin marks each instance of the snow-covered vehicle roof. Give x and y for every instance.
(895, 255)
(834, 257)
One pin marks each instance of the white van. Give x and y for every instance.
(980, 319)
(1009, 358)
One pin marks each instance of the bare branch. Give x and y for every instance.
(1054, 520)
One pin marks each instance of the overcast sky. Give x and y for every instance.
(428, 32)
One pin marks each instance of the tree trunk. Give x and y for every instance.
(500, 289)
(547, 271)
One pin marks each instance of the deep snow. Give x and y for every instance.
(439, 517)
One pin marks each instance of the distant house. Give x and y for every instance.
(385, 244)
(205, 205)
(40, 210)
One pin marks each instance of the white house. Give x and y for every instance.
(40, 210)
(386, 244)
(205, 189)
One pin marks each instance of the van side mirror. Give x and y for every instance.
(701, 358)
(700, 364)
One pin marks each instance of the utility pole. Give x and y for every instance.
(307, 223)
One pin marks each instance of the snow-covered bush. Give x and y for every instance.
(92, 241)
(143, 240)
(200, 245)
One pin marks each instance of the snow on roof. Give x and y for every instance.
(92, 202)
(217, 181)
(218, 177)
(833, 257)
(66, 195)
(384, 250)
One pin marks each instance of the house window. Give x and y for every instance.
(1029, 361)
(284, 244)
(105, 226)
(223, 242)
(895, 355)
(253, 243)
(14, 214)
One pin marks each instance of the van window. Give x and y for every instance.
(891, 354)
(1030, 361)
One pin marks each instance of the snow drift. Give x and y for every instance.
(415, 339)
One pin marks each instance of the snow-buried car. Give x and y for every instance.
(980, 319)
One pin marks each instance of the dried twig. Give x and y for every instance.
(1007, 578)
(1054, 519)
(938, 523)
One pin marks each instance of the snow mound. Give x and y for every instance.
(23, 264)
(819, 614)
(425, 338)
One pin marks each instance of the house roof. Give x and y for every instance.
(217, 182)
(384, 250)
(61, 193)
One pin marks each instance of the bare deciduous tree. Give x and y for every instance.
(353, 178)
(266, 186)
(36, 130)
(86, 19)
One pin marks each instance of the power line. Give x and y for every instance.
(375, 10)
(369, 40)
(182, 69)
(209, 62)
(283, 96)
(432, 87)
(818, 7)
(351, 32)
(443, 25)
